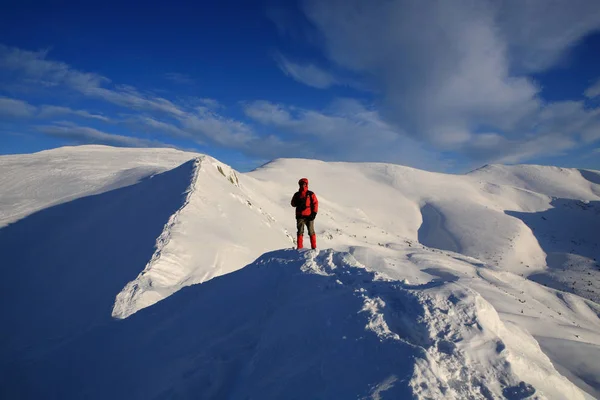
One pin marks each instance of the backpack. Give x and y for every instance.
(303, 207)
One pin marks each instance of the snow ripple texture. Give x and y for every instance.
(462, 350)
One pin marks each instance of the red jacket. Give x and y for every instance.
(302, 202)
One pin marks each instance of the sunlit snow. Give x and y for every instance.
(155, 273)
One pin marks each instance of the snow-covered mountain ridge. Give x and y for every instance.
(441, 270)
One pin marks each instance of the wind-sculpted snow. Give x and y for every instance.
(142, 285)
(219, 229)
(298, 325)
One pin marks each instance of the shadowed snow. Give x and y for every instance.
(293, 325)
(62, 266)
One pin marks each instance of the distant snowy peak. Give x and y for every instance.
(31, 182)
(552, 181)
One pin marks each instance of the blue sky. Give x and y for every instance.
(442, 86)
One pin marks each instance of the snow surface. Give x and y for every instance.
(484, 285)
(31, 182)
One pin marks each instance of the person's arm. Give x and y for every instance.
(293, 202)
(315, 206)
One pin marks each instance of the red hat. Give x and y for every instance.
(303, 180)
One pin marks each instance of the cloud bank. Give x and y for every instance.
(457, 74)
(14, 108)
(348, 131)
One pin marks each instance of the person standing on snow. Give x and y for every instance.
(307, 206)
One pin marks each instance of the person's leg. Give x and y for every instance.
(311, 232)
(300, 232)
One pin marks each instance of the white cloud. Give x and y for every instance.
(593, 91)
(178, 78)
(486, 141)
(569, 118)
(11, 108)
(556, 128)
(591, 133)
(540, 33)
(198, 123)
(220, 130)
(210, 103)
(20, 108)
(494, 148)
(143, 121)
(308, 74)
(440, 65)
(36, 69)
(447, 71)
(130, 98)
(565, 116)
(348, 131)
(267, 113)
(48, 111)
(593, 153)
(86, 135)
(552, 144)
(34, 66)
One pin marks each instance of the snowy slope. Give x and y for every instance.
(31, 182)
(303, 325)
(218, 230)
(363, 204)
(431, 286)
(63, 266)
(568, 183)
